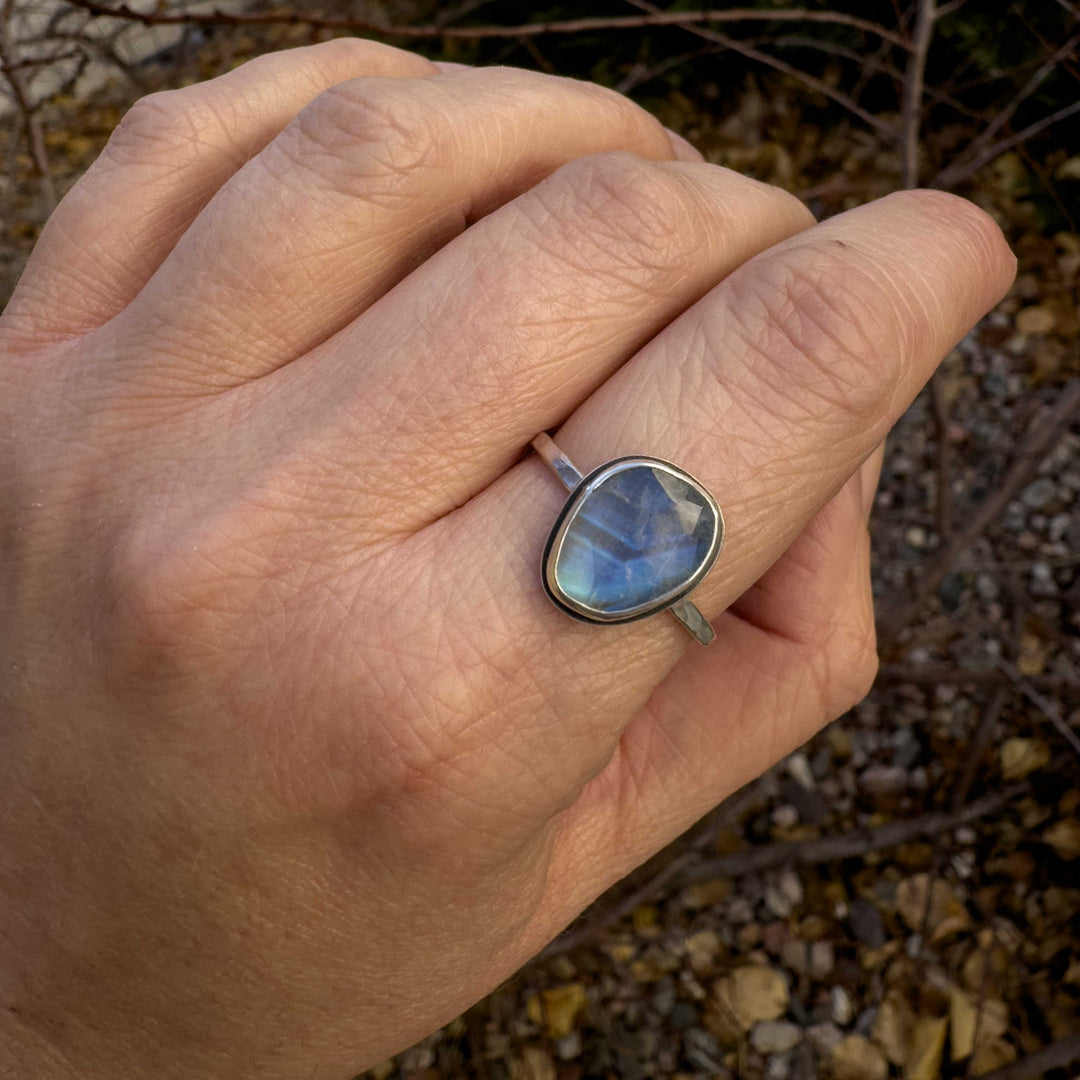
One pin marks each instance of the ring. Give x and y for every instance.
(634, 538)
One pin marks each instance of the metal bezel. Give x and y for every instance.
(590, 483)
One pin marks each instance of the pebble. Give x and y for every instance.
(1039, 493)
(775, 1036)
(790, 886)
(798, 766)
(842, 1009)
(822, 959)
(778, 1067)
(987, 587)
(884, 780)
(740, 910)
(785, 816)
(824, 1038)
(569, 1046)
(777, 903)
(916, 537)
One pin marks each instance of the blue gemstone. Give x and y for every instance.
(640, 534)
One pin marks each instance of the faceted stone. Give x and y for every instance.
(641, 534)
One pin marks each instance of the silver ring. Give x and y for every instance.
(635, 537)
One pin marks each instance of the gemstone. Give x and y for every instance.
(634, 536)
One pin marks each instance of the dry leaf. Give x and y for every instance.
(1064, 838)
(967, 1015)
(946, 914)
(561, 1008)
(1019, 757)
(535, 1063)
(994, 1054)
(926, 1047)
(753, 993)
(892, 1026)
(856, 1058)
(705, 894)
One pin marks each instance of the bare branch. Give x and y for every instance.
(1055, 1056)
(1041, 436)
(563, 26)
(913, 90)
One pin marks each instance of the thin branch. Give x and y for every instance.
(1048, 708)
(563, 26)
(985, 138)
(777, 64)
(1041, 436)
(943, 675)
(1055, 1056)
(35, 138)
(957, 173)
(978, 746)
(944, 459)
(913, 90)
(756, 860)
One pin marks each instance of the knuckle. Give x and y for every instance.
(625, 200)
(174, 119)
(364, 131)
(825, 333)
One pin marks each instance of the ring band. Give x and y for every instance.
(635, 537)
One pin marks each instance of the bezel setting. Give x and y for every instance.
(578, 496)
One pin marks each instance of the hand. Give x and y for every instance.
(297, 759)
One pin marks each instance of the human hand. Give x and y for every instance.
(297, 759)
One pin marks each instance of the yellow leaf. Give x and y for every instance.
(753, 993)
(856, 1058)
(892, 1026)
(926, 1047)
(561, 1008)
(995, 1054)
(1064, 838)
(1019, 757)
(968, 1016)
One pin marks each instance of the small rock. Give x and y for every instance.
(822, 959)
(1035, 320)
(884, 780)
(775, 1036)
(916, 537)
(683, 1016)
(1039, 493)
(785, 816)
(987, 587)
(824, 1038)
(740, 911)
(790, 885)
(703, 1052)
(778, 1067)
(777, 903)
(569, 1046)
(866, 923)
(798, 767)
(842, 1009)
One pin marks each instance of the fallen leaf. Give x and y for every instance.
(892, 1026)
(926, 1048)
(562, 1004)
(1019, 757)
(1064, 838)
(968, 1016)
(994, 1054)
(535, 1063)
(944, 916)
(753, 993)
(704, 894)
(856, 1058)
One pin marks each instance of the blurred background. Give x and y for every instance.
(902, 896)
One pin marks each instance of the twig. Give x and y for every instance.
(985, 137)
(944, 459)
(957, 173)
(1048, 708)
(1055, 1056)
(913, 90)
(940, 675)
(853, 844)
(777, 64)
(990, 717)
(557, 26)
(35, 139)
(1041, 436)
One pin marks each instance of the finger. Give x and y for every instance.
(794, 653)
(167, 157)
(366, 183)
(510, 326)
(684, 151)
(869, 474)
(771, 390)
